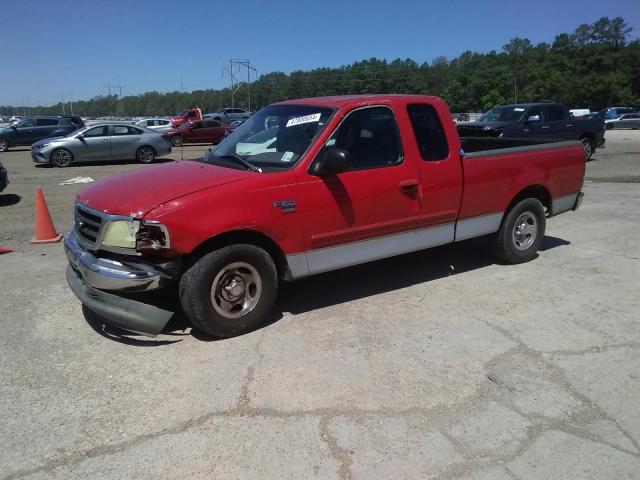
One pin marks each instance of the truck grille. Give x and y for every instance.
(87, 225)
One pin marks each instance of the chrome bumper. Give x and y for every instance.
(110, 274)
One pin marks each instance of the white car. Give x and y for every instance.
(160, 124)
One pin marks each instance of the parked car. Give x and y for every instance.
(155, 123)
(352, 179)
(102, 142)
(537, 120)
(228, 115)
(4, 178)
(16, 118)
(189, 115)
(203, 131)
(630, 120)
(609, 113)
(33, 129)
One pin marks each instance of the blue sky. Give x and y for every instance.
(76, 48)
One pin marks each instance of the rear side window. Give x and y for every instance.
(554, 113)
(46, 122)
(429, 133)
(370, 135)
(125, 130)
(211, 124)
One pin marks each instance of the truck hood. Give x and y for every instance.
(137, 192)
(481, 125)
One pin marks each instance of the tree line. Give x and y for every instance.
(593, 67)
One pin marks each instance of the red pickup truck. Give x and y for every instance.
(189, 115)
(303, 187)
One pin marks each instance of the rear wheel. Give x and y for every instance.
(146, 154)
(229, 291)
(521, 232)
(4, 144)
(589, 147)
(176, 141)
(61, 158)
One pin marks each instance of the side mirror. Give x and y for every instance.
(80, 136)
(533, 119)
(332, 162)
(13, 127)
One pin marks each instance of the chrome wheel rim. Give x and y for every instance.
(525, 231)
(61, 157)
(236, 290)
(587, 148)
(3, 145)
(146, 155)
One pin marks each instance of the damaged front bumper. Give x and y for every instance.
(107, 285)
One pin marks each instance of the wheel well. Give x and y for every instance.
(590, 136)
(249, 237)
(533, 191)
(7, 140)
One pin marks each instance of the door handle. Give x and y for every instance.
(408, 186)
(546, 126)
(105, 141)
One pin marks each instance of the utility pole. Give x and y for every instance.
(62, 101)
(181, 85)
(235, 83)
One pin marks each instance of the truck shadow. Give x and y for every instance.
(336, 287)
(8, 199)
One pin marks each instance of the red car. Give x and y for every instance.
(202, 131)
(303, 187)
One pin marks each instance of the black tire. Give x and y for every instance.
(176, 141)
(589, 147)
(513, 244)
(146, 154)
(61, 158)
(4, 144)
(205, 306)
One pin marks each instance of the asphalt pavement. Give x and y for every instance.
(439, 364)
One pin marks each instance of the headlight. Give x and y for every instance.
(152, 235)
(121, 233)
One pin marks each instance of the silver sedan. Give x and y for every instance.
(630, 120)
(100, 143)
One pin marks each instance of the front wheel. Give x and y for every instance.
(4, 144)
(229, 291)
(146, 154)
(589, 147)
(61, 158)
(521, 232)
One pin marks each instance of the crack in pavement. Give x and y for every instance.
(340, 454)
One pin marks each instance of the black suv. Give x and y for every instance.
(32, 129)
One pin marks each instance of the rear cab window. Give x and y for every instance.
(428, 131)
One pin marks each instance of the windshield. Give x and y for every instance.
(276, 136)
(502, 114)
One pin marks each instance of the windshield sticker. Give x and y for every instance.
(518, 109)
(305, 119)
(287, 156)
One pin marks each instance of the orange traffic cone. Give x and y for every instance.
(5, 250)
(45, 230)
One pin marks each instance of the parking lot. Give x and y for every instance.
(438, 364)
